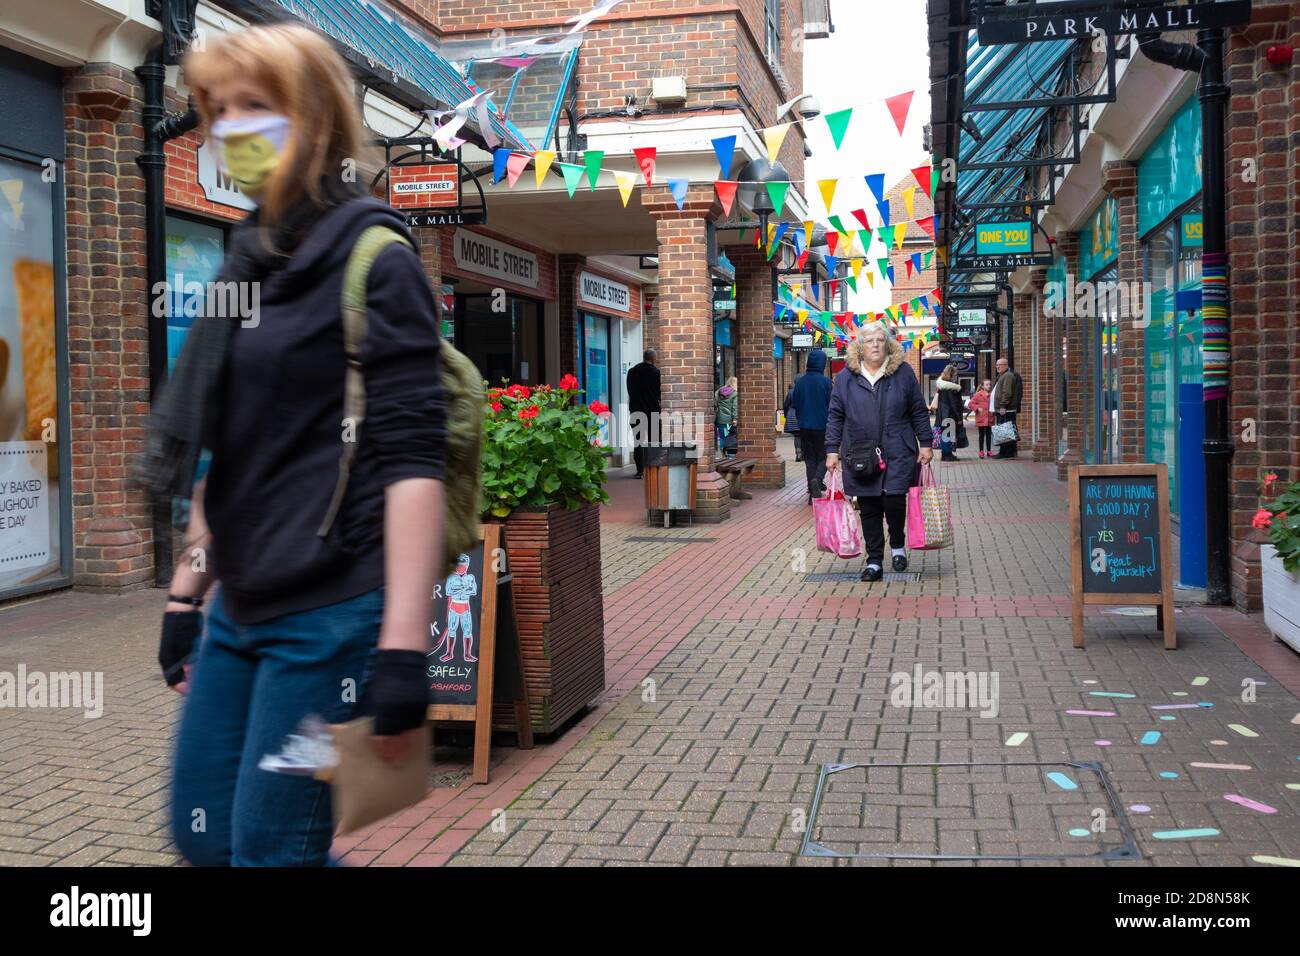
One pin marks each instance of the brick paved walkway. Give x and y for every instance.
(734, 676)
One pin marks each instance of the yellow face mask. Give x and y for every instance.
(250, 149)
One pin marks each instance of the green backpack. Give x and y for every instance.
(462, 384)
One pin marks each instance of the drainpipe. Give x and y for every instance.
(1206, 58)
(158, 128)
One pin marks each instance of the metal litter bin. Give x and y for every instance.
(670, 479)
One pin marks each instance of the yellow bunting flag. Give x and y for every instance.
(943, 254)
(774, 136)
(857, 269)
(626, 182)
(827, 187)
(900, 233)
(909, 199)
(542, 160)
(871, 279)
(807, 234)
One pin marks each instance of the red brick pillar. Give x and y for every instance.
(684, 329)
(650, 319)
(1046, 356)
(1078, 396)
(1022, 331)
(1263, 182)
(108, 338)
(756, 368)
(1119, 179)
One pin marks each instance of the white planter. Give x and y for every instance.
(1281, 597)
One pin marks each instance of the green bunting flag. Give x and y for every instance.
(777, 191)
(852, 281)
(865, 236)
(572, 176)
(593, 158)
(835, 221)
(838, 123)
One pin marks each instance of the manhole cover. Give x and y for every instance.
(1030, 810)
(664, 539)
(896, 577)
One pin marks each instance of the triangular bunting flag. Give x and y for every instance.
(934, 176)
(909, 268)
(831, 262)
(883, 209)
(942, 252)
(827, 188)
(515, 167)
(899, 106)
(857, 270)
(832, 240)
(900, 233)
(777, 191)
(542, 160)
(803, 260)
(725, 149)
(835, 223)
(864, 235)
(645, 158)
(500, 157)
(922, 176)
(871, 279)
(593, 159)
(861, 216)
(882, 266)
(726, 195)
(774, 136)
(876, 183)
(909, 200)
(807, 233)
(678, 188)
(916, 261)
(838, 123)
(852, 281)
(626, 183)
(890, 272)
(928, 225)
(572, 175)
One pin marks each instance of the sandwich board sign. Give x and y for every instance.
(476, 656)
(1119, 542)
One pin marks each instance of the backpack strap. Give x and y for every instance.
(356, 274)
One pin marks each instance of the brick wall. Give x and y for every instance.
(1078, 398)
(108, 358)
(1263, 127)
(717, 44)
(756, 367)
(1120, 181)
(1046, 358)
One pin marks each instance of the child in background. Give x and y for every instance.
(979, 404)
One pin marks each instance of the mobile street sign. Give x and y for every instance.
(1037, 22)
(427, 186)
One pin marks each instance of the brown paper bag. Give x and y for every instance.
(364, 788)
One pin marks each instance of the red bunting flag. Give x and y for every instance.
(803, 259)
(899, 106)
(645, 158)
(832, 240)
(922, 174)
(928, 225)
(861, 216)
(516, 163)
(726, 192)
(908, 263)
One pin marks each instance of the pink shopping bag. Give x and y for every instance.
(929, 517)
(839, 530)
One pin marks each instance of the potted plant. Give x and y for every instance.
(543, 478)
(1280, 560)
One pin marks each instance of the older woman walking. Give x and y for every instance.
(877, 430)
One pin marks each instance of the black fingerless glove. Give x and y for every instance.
(398, 693)
(180, 632)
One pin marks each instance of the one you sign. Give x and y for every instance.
(1119, 541)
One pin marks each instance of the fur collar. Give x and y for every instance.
(893, 356)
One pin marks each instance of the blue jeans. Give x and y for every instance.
(251, 686)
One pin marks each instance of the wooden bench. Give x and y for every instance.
(734, 470)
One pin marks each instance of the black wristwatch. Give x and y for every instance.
(194, 602)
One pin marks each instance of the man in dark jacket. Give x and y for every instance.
(643, 404)
(811, 399)
(1006, 401)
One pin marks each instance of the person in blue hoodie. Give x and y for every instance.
(811, 400)
(299, 616)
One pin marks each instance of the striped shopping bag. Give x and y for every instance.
(929, 515)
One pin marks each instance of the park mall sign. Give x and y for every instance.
(1072, 19)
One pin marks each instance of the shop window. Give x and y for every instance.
(503, 337)
(32, 515)
(1161, 382)
(194, 253)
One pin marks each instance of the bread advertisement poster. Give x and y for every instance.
(29, 510)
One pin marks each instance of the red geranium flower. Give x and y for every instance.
(569, 383)
(528, 412)
(518, 391)
(496, 406)
(600, 408)
(1263, 518)
(494, 392)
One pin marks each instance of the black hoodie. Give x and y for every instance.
(279, 429)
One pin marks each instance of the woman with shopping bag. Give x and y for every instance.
(878, 428)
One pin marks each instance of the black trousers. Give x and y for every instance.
(873, 509)
(812, 445)
(1007, 449)
(986, 438)
(638, 456)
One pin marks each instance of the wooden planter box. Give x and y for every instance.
(554, 557)
(1281, 597)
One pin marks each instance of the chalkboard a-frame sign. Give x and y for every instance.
(1119, 542)
(476, 655)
